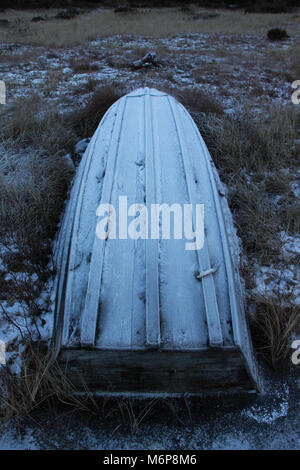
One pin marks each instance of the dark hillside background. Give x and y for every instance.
(274, 6)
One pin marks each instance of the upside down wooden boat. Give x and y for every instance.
(148, 315)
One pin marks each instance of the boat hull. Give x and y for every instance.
(144, 313)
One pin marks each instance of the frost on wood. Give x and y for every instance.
(170, 319)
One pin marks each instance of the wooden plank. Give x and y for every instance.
(90, 313)
(208, 285)
(182, 317)
(81, 244)
(70, 295)
(122, 309)
(152, 256)
(65, 251)
(156, 371)
(235, 310)
(213, 237)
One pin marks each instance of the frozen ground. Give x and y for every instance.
(235, 71)
(240, 421)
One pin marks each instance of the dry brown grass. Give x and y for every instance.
(293, 54)
(19, 58)
(155, 23)
(32, 191)
(273, 326)
(260, 145)
(197, 101)
(287, 58)
(256, 220)
(51, 82)
(30, 121)
(84, 65)
(41, 382)
(89, 86)
(254, 141)
(84, 121)
(129, 413)
(289, 211)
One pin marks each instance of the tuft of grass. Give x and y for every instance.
(32, 192)
(254, 142)
(197, 101)
(293, 54)
(273, 326)
(41, 382)
(85, 120)
(290, 214)
(30, 122)
(87, 87)
(131, 413)
(288, 58)
(83, 65)
(251, 153)
(255, 218)
(51, 83)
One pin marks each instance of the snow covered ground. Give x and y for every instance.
(235, 70)
(241, 421)
(245, 76)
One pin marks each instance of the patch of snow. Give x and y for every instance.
(290, 245)
(10, 440)
(270, 413)
(284, 277)
(271, 280)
